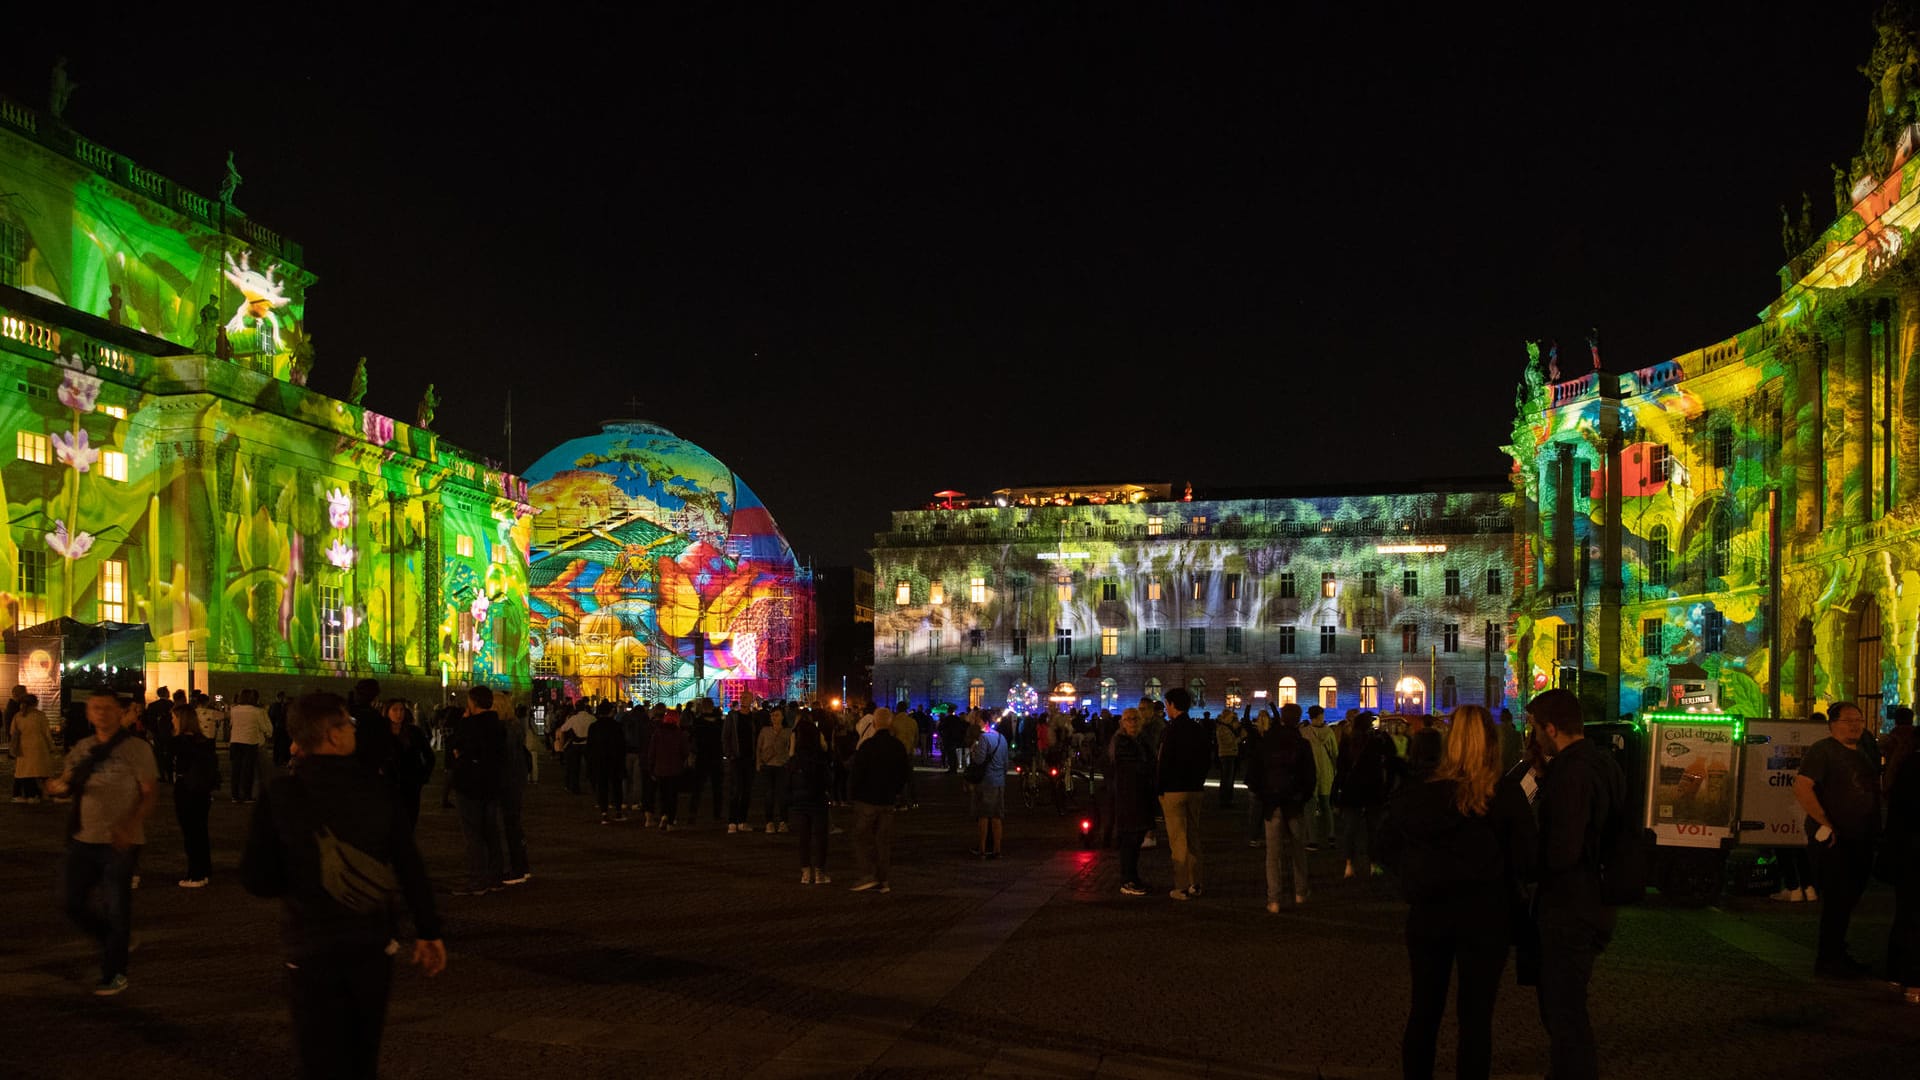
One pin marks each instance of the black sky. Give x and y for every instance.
(866, 253)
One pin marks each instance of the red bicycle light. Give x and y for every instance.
(1086, 825)
(1053, 772)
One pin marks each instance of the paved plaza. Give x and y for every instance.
(639, 954)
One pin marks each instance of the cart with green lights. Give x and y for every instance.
(1713, 782)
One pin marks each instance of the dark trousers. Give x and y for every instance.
(190, 810)
(28, 788)
(1229, 770)
(739, 793)
(607, 781)
(511, 833)
(480, 825)
(408, 796)
(1130, 840)
(776, 780)
(339, 1005)
(574, 756)
(810, 824)
(705, 775)
(1841, 870)
(1569, 943)
(872, 840)
(669, 794)
(1431, 959)
(244, 757)
(99, 866)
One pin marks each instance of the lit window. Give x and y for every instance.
(33, 610)
(33, 570)
(1368, 642)
(333, 628)
(1659, 465)
(1409, 583)
(113, 464)
(1197, 640)
(1153, 589)
(1328, 637)
(1199, 587)
(113, 591)
(1109, 641)
(1453, 583)
(1450, 637)
(1233, 586)
(1064, 590)
(1197, 525)
(1369, 693)
(1327, 587)
(977, 590)
(463, 546)
(118, 412)
(903, 593)
(1153, 644)
(31, 446)
(1235, 643)
(1286, 639)
(1156, 525)
(937, 593)
(1329, 692)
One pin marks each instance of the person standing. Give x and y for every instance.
(1581, 790)
(1283, 780)
(809, 784)
(707, 771)
(113, 779)
(373, 735)
(572, 743)
(1130, 783)
(196, 776)
(277, 719)
(157, 718)
(607, 763)
(1362, 780)
(1461, 844)
(1322, 744)
(330, 842)
(1186, 757)
(32, 747)
(1227, 735)
(770, 753)
(1839, 788)
(248, 729)
(953, 740)
(879, 772)
(987, 768)
(479, 742)
(667, 760)
(412, 759)
(636, 727)
(738, 746)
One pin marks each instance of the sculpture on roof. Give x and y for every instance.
(208, 331)
(61, 90)
(231, 185)
(357, 393)
(423, 414)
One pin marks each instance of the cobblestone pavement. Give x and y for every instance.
(698, 954)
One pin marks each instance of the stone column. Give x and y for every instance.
(1854, 380)
(1905, 324)
(1800, 441)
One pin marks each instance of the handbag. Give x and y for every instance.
(976, 771)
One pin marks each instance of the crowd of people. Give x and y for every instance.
(1506, 844)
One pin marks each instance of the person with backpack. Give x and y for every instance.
(1581, 793)
(1362, 779)
(1461, 844)
(331, 842)
(196, 776)
(1282, 780)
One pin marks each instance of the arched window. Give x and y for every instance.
(1329, 692)
(1289, 692)
(976, 693)
(1233, 693)
(1410, 695)
(1369, 692)
(936, 689)
(1197, 686)
(1109, 694)
(902, 690)
(1720, 529)
(1657, 555)
(1152, 691)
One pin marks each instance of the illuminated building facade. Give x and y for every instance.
(658, 575)
(165, 464)
(1742, 523)
(1383, 600)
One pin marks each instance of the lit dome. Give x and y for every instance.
(650, 551)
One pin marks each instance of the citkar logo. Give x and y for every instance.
(1676, 749)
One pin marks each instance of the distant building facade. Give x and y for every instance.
(1384, 600)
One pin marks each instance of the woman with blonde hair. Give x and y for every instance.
(1461, 844)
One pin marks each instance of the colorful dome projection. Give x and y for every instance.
(658, 575)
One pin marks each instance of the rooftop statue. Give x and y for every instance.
(206, 336)
(231, 185)
(61, 90)
(357, 393)
(423, 415)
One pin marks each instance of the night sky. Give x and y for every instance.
(864, 254)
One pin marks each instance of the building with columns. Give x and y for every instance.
(1392, 599)
(1741, 524)
(167, 470)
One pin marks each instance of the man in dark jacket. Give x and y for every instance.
(607, 761)
(157, 719)
(373, 741)
(1283, 780)
(479, 744)
(1131, 801)
(737, 745)
(1581, 789)
(1186, 756)
(878, 772)
(331, 843)
(636, 731)
(953, 740)
(704, 730)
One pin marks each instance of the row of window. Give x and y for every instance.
(1153, 640)
(1713, 635)
(1409, 692)
(1718, 557)
(33, 447)
(1110, 588)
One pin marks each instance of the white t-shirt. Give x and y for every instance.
(249, 724)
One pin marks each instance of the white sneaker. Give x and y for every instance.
(732, 828)
(769, 828)
(806, 875)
